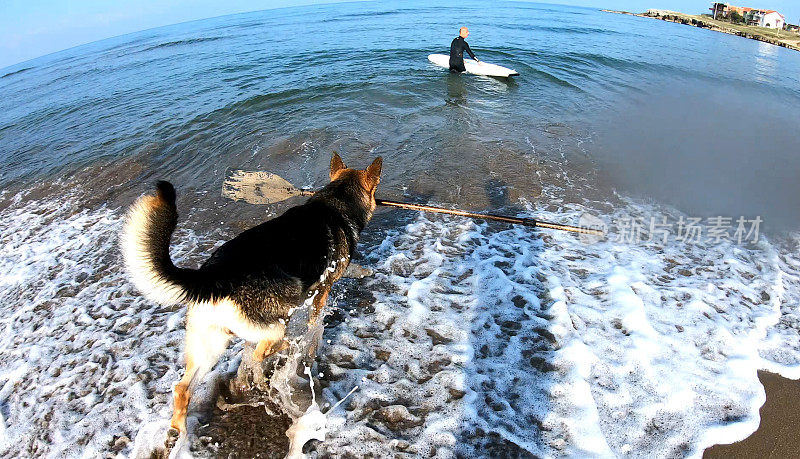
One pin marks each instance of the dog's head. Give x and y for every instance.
(365, 181)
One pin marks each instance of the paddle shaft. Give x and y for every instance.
(265, 188)
(498, 218)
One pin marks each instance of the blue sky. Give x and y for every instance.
(32, 28)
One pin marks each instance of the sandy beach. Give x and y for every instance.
(777, 435)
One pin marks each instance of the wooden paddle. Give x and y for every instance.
(257, 187)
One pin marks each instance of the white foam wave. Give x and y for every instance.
(496, 340)
(84, 358)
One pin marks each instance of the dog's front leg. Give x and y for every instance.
(319, 302)
(271, 342)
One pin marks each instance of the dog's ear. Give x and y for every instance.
(336, 165)
(374, 172)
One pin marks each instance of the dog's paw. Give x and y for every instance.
(355, 271)
(173, 435)
(280, 346)
(262, 352)
(264, 349)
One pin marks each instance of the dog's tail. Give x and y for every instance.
(145, 246)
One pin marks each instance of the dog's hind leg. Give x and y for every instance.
(205, 343)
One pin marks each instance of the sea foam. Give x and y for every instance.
(482, 339)
(501, 340)
(85, 360)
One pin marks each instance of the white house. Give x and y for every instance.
(765, 18)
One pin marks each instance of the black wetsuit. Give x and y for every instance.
(457, 48)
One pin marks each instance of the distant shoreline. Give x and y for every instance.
(753, 33)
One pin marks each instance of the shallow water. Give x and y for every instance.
(494, 339)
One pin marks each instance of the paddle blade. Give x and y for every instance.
(258, 187)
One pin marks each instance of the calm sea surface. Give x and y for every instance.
(496, 341)
(701, 120)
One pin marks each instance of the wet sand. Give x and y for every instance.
(777, 435)
(243, 432)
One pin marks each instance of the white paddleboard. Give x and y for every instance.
(475, 67)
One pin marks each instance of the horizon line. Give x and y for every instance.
(321, 2)
(3, 70)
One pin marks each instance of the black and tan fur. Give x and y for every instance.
(250, 284)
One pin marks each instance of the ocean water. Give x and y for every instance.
(471, 339)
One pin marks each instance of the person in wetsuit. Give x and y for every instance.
(457, 48)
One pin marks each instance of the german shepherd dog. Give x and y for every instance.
(251, 284)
